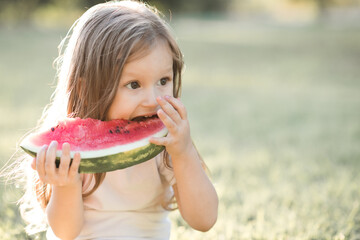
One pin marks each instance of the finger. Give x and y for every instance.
(40, 162)
(169, 109)
(50, 159)
(33, 163)
(161, 141)
(64, 160)
(168, 122)
(178, 105)
(74, 168)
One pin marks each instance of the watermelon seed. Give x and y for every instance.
(52, 129)
(117, 130)
(111, 131)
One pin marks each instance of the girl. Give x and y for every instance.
(121, 62)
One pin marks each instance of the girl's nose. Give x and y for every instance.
(150, 98)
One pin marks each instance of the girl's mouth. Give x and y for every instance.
(144, 118)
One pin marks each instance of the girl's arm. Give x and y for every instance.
(194, 192)
(195, 195)
(65, 211)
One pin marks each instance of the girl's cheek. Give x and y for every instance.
(168, 90)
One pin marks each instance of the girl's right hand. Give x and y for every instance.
(66, 174)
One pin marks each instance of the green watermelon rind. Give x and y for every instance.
(108, 158)
(116, 161)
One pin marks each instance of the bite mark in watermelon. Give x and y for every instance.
(103, 145)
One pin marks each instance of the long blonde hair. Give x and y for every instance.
(90, 62)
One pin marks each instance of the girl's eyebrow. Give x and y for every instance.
(136, 74)
(167, 70)
(170, 69)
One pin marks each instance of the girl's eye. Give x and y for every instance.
(163, 81)
(133, 85)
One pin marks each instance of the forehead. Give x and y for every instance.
(142, 48)
(157, 58)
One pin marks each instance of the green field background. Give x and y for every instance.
(274, 111)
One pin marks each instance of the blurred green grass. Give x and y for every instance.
(274, 111)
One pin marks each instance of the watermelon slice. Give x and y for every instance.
(103, 145)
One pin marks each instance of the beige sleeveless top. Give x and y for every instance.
(127, 205)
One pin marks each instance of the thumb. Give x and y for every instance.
(163, 141)
(33, 164)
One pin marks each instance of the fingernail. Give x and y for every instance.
(167, 97)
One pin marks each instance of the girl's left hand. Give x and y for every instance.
(173, 115)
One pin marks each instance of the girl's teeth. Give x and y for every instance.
(142, 118)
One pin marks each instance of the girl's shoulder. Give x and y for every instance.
(164, 164)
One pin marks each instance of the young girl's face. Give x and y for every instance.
(141, 82)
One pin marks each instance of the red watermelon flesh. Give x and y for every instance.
(91, 134)
(103, 145)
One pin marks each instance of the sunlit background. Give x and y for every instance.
(272, 88)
